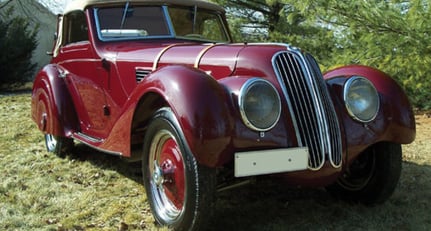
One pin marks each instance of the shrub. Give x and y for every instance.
(17, 43)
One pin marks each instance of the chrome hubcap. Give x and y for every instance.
(51, 142)
(158, 175)
(167, 176)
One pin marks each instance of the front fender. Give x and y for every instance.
(201, 106)
(395, 121)
(51, 105)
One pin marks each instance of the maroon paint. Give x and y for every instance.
(395, 121)
(101, 90)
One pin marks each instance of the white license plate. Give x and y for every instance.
(270, 161)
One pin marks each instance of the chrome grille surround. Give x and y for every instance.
(310, 105)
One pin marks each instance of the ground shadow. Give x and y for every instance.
(131, 170)
(272, 206)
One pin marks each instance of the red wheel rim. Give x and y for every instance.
(167, 176)
(172, 166)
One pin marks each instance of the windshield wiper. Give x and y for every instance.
(195, 18)
(123, 20)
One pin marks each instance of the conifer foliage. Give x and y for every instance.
(392, 35)
(17, 43)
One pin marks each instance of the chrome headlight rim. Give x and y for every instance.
(242, 95)
(350, 109)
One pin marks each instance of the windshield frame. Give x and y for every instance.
(170, 27)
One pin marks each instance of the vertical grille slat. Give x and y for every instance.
(312, 112)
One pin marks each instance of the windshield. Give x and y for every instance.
(142, 22)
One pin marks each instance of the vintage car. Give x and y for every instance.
(162, 82)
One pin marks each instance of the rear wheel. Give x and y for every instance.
(372, 177)
(179, 190)
(58, 145)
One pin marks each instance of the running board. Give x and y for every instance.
(86, 138)
(93, 142)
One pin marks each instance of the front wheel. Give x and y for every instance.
(372, 177)
(58, 145)
(179, 190)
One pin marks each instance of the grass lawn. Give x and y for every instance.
(89, 190)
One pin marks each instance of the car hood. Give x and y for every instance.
(218, 60)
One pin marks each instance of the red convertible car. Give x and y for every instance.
(162, 82)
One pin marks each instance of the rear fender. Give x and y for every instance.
(51, 106)
(200, 105)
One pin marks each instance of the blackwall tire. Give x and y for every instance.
(58, 145)
(373, 177)
(179, 190)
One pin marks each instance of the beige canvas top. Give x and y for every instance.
(83, 4)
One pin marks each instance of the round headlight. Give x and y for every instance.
(361, 99)
(259, 104)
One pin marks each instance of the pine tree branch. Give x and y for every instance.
(5, 4)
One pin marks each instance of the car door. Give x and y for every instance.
(78, 64)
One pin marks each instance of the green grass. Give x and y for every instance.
(89, 190)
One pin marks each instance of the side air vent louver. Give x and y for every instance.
(141, 74)
(310, 106)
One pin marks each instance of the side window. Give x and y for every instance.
(198, 23)
(75, 28)
(212, 28)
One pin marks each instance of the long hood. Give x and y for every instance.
(218, 60)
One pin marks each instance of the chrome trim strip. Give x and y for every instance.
(81, 136)
(202, 53)
(159, 55)
(78, 60)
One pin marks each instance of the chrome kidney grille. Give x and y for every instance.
(311, 108)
